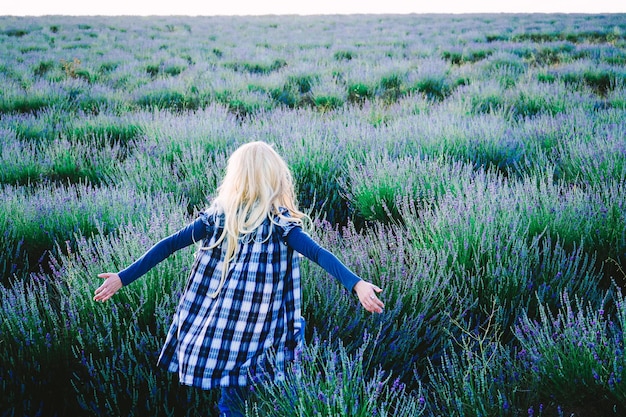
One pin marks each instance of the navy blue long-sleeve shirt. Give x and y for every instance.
(297, 239)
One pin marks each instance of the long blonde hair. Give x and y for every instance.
(257, 184)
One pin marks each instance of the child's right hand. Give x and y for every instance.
(367, 296)
(112, 283)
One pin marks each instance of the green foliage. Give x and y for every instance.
(594, 36)
(296, 91)
(318, 169)
(549, 55)
(36, 330)
(380, 185)
(546, 78)
(246, 103)
(480, 377)
(153, 70)
(413, 326)
(434, 87)
(17, 168)
(466, 56)
(86, 75)
(94, 359)
(171, 100)
(43, 68)
(14, 263)
(257, 67)
(575, 352)
(108, 67)
(326, 103)
(328, 381)
(59, 160)
(505, 63)
(359, 92)
(302, 83)
(487, 103)
(285, 96)
(343, 55)
(392, 87)
(518, 104)
(107, 131)
(578, 216)
(23, 104)
(173, 70)
(55, 214)
(17, 33)
(499, 256)
(600, 80)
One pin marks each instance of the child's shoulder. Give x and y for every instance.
(285, 214)
(285, 221)
(211, 216)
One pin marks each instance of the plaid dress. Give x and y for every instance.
(222, 341)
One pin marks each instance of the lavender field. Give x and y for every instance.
(473, 166)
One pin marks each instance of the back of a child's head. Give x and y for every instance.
(256, 175)
(257, 187)
(257, 184)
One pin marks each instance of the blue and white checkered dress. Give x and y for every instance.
(222, 341)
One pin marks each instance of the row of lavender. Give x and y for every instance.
(347, 167)
(251, 65)
(472, 166)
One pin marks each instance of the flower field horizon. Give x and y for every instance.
(473, 166)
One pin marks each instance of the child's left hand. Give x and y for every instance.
(367, 296)
(112, 283)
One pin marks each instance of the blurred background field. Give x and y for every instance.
(474, 166)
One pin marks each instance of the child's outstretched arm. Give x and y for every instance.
(190, 234)
(301, 242)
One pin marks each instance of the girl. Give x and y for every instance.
(240, 309)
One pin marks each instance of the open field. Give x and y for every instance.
(473, 166)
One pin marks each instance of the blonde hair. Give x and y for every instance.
(257, 184)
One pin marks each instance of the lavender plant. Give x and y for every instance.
(472, 166)
(495, 256)
(574, 353)
(93, 350)
(50, 216)
(480, 376)
(377, 186)
(329, 381)
(417, 293)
